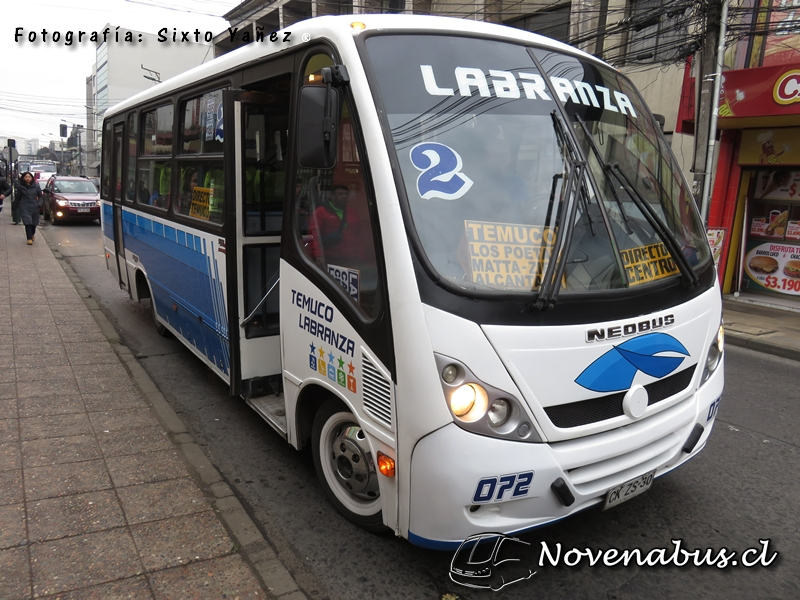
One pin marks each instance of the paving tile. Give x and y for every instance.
(161, 500)
(135, 588)
(7, 359)
(181, 540)
(93, 358)
(10, 457)
(9, 430)
(8, 391)
(15, 574)
(47, 388)
(91, 336)
(227, 577)
(32, 372)
(52, 451)
(110, 402)
(115, 420)
(12, 528)
(77, 562)
(97, 371)
(39, 348)
(73, 515)
(63, 480)
(106, 385)
(8, 408)
(133, 441)
(50, 426)
(50, 405)
(145, 468)
(11, 490)
(8, 373)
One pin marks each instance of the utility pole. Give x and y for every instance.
(706, 79)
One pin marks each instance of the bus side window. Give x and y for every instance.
(334, 219)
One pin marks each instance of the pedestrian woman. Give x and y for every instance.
(29, 197)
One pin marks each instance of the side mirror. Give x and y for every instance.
(317, 128)
(318, 115)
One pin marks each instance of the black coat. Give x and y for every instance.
(5, 188)
(29, 201)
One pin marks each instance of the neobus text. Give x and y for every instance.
(598, 335)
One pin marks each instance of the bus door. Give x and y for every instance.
(256, 126)
(115, 193)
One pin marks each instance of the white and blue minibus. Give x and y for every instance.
(457, 259)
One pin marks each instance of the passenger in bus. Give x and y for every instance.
(143, 194)
(336, 231)
(187, 189)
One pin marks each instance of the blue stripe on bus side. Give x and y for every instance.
(181, 275)
(108, 221)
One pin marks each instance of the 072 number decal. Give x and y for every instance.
(503, 487)
(441, 175)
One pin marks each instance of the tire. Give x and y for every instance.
(158, 325)
(344, 466)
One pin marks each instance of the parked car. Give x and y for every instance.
(70, 198)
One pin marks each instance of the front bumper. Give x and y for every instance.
(449, 466)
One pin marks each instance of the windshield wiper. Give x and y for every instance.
(603, 164)
(667, 236)
(551, 281)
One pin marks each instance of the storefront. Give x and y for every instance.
(754, 216)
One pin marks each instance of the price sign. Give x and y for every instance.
(775, 267)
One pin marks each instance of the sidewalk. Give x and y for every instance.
(762, 328)
(103, 493)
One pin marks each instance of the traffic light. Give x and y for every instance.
(63, 130)
(12, 143)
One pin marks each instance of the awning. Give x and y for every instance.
(94, 165)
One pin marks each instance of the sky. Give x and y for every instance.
(45, 82)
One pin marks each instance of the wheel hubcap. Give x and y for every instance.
(352, 462)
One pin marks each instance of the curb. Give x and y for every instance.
(759, 345)
(256, 550)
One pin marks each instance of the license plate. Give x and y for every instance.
(84, 209)
(629, 489)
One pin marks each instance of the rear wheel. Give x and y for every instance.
(159, 326)
(345, 465)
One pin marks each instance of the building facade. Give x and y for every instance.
(755, 208)
(124, 70)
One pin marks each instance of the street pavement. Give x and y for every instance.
(103, 493)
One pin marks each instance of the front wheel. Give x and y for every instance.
(345, 465)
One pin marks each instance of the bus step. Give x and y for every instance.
(273, 410)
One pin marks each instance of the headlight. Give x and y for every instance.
(481, 408)
(62, 202)
(469, 402)
(714, 356)
(499, 411)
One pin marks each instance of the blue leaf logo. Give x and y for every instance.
(615, 370)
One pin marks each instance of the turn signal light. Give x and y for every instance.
(385, 465)
(358, 25)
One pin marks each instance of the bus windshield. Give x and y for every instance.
(516, 174)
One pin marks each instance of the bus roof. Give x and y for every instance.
(338, 29)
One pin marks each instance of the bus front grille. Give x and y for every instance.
(584, 412)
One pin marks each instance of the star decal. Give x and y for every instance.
(341, 362)
(352, 367)
(313, 348)
(331, 358)
(321, 353)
